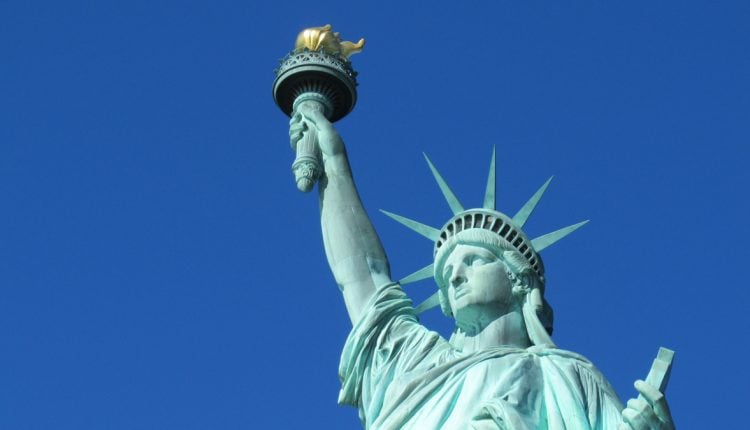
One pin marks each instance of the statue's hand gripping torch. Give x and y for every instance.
(317, 73)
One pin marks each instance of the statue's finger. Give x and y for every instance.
(634, 419)
(315, 117)
(648, 391)
(644, 409)
(296, 132)
(295, 118)
(295, 137)
(657, 401)
(296, 128)
(304, 110)
(637, 404)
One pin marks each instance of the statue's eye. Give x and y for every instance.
(477, 260)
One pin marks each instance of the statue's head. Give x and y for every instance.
(492, 248)
(483, 261)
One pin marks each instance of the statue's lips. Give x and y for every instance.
(460, 292)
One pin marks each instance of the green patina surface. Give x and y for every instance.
(500, 369)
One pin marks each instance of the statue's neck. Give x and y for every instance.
(508, 330)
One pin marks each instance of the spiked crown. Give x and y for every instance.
(486, 219)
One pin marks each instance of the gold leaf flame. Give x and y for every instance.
(326, 40)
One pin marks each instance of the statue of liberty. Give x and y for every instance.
(500, 369)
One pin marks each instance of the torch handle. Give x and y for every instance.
(307, 167)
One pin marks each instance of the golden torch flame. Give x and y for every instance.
(326, 40)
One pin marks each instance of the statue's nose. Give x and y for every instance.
(458, 278)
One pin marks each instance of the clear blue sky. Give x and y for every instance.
(159, 270)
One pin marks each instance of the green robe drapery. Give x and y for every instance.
(402, 376)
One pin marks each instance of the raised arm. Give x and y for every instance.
(352, 246)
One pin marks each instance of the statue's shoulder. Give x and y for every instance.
(572, 363)
(565, 357)
(544, 351)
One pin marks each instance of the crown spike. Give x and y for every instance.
(453, 202)
(548, 239)
(489, 194)
(431, 302)
(425, 230)
(423, 273)
(523, 214)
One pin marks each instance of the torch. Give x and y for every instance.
(317, 73)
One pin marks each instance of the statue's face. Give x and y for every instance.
(477, 284)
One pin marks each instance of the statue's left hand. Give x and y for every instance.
(650, 412)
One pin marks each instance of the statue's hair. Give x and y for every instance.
(518, 268)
